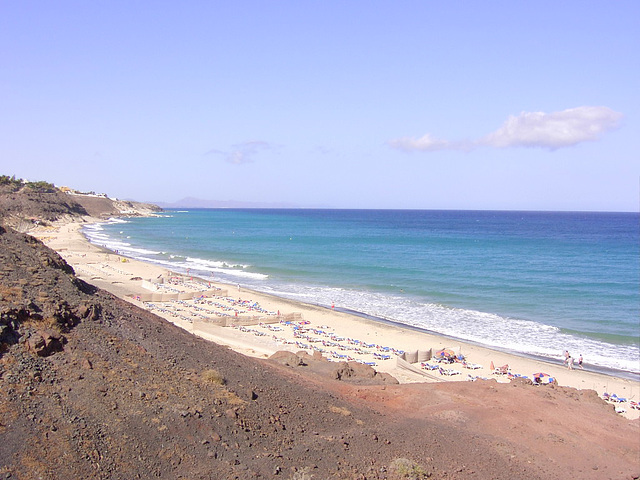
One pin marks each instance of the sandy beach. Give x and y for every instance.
(272, 324)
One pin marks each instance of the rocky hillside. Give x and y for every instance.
(24, 203)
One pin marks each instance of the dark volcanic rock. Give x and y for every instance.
(45, 342)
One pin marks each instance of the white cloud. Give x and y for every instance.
(530, 129)
(426, 143)
(554, 130)
(242, 153)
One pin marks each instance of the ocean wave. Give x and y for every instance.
(214, 264)
(94, 235)
(199, 269)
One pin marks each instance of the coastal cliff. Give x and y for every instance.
(23, 204)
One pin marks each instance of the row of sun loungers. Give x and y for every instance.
(501, 371)
(206, 308)
(615, 399)
(322, 340)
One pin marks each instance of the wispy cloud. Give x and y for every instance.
(426, 143)
(530, 129)
(242, 153)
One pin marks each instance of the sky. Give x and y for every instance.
(495, 105)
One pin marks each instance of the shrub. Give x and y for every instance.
(41, 187)
(340, 410)
(403, 468)
(6, 180)
(212, 376)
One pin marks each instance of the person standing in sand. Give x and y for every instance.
(570, 363)
(580, 362)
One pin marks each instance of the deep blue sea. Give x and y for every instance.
(534, 283)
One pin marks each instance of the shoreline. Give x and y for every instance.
(612, 372)
(100, 266)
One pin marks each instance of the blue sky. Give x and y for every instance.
(453, 105)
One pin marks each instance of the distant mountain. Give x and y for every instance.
(191, 202)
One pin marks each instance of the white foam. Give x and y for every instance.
(517, 335)
(214, 264)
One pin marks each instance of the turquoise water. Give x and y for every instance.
(531, 282)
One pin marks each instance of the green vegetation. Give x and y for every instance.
(17, 183)
(41, 187)
(12, 181)
(403, 468)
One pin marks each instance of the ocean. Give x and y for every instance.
(532, 283)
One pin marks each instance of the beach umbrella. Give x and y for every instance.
(445, 353)
(541, 377)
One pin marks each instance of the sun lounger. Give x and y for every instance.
(615, 398)
(448, 371)
(472, 366)
(428, 366)
(503, 370)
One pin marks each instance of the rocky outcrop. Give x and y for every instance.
(23, 208)
(40, 297)
(316, 364)
(45, 342)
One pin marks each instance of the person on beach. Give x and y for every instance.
(566, 357)
(570, 363)
(580, 362)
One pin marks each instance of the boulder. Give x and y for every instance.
(289, 359)
(45, 342)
